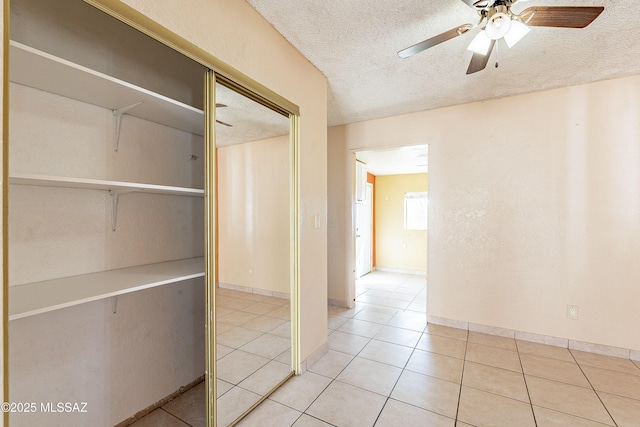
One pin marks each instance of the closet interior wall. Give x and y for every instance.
(119, 355)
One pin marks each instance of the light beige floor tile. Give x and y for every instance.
(360, 327)
(234, 303)
(260, 308)
(285, 357)
(222, 351)
(300, 391)
(264, 323)
(267, 345)
(362, 409)
(398, 336)
(427, 392)
(552, 369)
(493, 356)
(223, 311)
(233, 404)
(189, 406)
(549, 351)
(613, 382)
(396, 414)
(418, 307)
(461, 424)
(369, 375)
(308, 421)
(606, 362)
(222, 387)
(238, 365)
(281, 313)
(270, 414)
(625, 411)
(436, 365)
(376, 314)
(237, 337)
(495, 380)
(383, 302)
(159, 418)
(335, 322)
(384, 352)
(392, 295)
(548, 418)
(347, 343)
(445, 331)
(409, 320)
(283, 330)
(266, 378)
(222, 327)
(567, 398)
(493, 340)
(442, 345)
(486, 409)
(331, 364)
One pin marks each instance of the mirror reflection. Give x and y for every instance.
(253, 313)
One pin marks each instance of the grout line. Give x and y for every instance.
(174, 416)
(526, 386)
(464, 363)
(593, 388)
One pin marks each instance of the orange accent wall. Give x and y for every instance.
(371, 179)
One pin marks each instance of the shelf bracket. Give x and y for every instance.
(115, 198)
(117, 121)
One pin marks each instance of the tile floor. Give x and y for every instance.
(385, 367)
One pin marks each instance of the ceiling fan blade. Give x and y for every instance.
(426, 44)
(479, 4)
(560, 16)
(224, 124)
(478, 61)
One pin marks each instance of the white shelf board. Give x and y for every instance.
(40, 297)
(97, 184)
(40, 70)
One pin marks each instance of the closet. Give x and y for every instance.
(109, 223)
(106, 215)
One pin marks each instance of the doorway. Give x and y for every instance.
(385, 242)
(364, 233)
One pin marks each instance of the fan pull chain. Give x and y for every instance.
(497, 53)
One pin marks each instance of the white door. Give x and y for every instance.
(364, 230)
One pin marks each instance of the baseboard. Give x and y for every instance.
(338, 303)
(160, 403)
(315, 356)
(606, 350)
(400, 271)
(251, 290)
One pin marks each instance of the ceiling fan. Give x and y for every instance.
(502, 23)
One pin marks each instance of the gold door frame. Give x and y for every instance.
(230, 77)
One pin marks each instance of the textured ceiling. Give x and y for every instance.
(355, 43)
(395, 161)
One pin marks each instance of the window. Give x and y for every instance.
(415, 211)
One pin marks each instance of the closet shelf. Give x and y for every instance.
(97, 184)
(40, 297)
(40, 70)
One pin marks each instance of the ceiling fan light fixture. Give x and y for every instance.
(480, 43)
(516, 33)
(498, 25)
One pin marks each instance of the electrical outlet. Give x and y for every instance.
(572, 312)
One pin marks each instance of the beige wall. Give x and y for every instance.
(253, 215)
(397, 248)
(532, 210)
